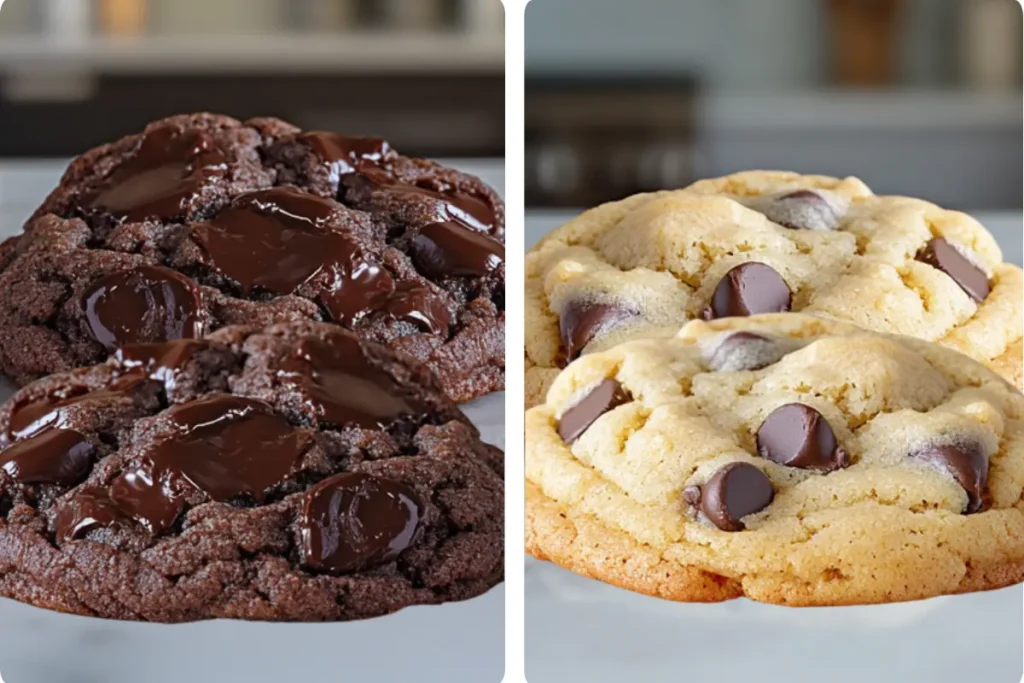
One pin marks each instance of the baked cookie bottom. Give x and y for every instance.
(584, 545)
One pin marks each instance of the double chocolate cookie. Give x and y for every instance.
(784, 457)
(769, 242)
(203, 221)
(294, 473)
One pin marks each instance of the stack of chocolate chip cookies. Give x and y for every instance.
(839, 420)
(241, 346)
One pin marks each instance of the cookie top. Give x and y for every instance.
(294, 473)
(764, 242)
(790, 458)
(203, 221)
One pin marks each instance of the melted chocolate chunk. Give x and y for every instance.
(470, 210)
(86, 511)
(745, 351)
(145, 304)
(967, 463)
(170, 169)
(801, 210)
(796, 435)
(54, 456)
(343, 388)
(748, 289)
(450, 249)
(51, 411)
(345, 154)
(580, 322)
(354, 520)
(153, 499)
(940, 254)
(278, 240)
(225, 446)
(733, 492)
(420, 306)
(160, 361)
(606, 396)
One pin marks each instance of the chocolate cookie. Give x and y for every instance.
(203, 221)
(294, 473)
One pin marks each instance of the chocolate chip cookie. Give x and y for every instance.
(765, 242)
(785, 457)
(203, 221)
(294, 473)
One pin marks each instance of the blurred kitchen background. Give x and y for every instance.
(919, 97)
(428, 75)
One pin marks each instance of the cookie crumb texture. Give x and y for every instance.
(769, 242)
(202, 221)
(240, 476)
(782, 457)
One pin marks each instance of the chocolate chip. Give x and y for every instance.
(86, 511)
(355, 520)
(605, 396)
(279, 239)
(343, 388)
(940, 254)
(224, 446)
(580, 321)
(31, 417)
(54, 456)
(733, 492)
(800, 210)
(420, 306)
(748, 289)
(745, 351)
(145, 304)
(965, 462)
(796, 435)
(449, 248)
(345, 154)
(167, 174)
(161, 361)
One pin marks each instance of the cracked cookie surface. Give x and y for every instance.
(240, 476)
(764, 242)
(784, 457)
(202, 221)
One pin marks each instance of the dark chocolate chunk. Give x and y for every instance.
(965, 462)
(940, 254)
(345, 154)
(733, 492)
(353, 520)
(344, 388)
(168, 172)
(84, 512)
(278, 240)
(748, 289)
(420, 306)
(160, 361)
(145, 304)
(449, 248)
(801, 210)
(51, 411)
(53, 456)
(226, 446)
(606, 396)
(797, 435)
(745, 351)
(579, 322)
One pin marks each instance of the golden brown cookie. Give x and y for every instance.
(785, 457)
(764, 242)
